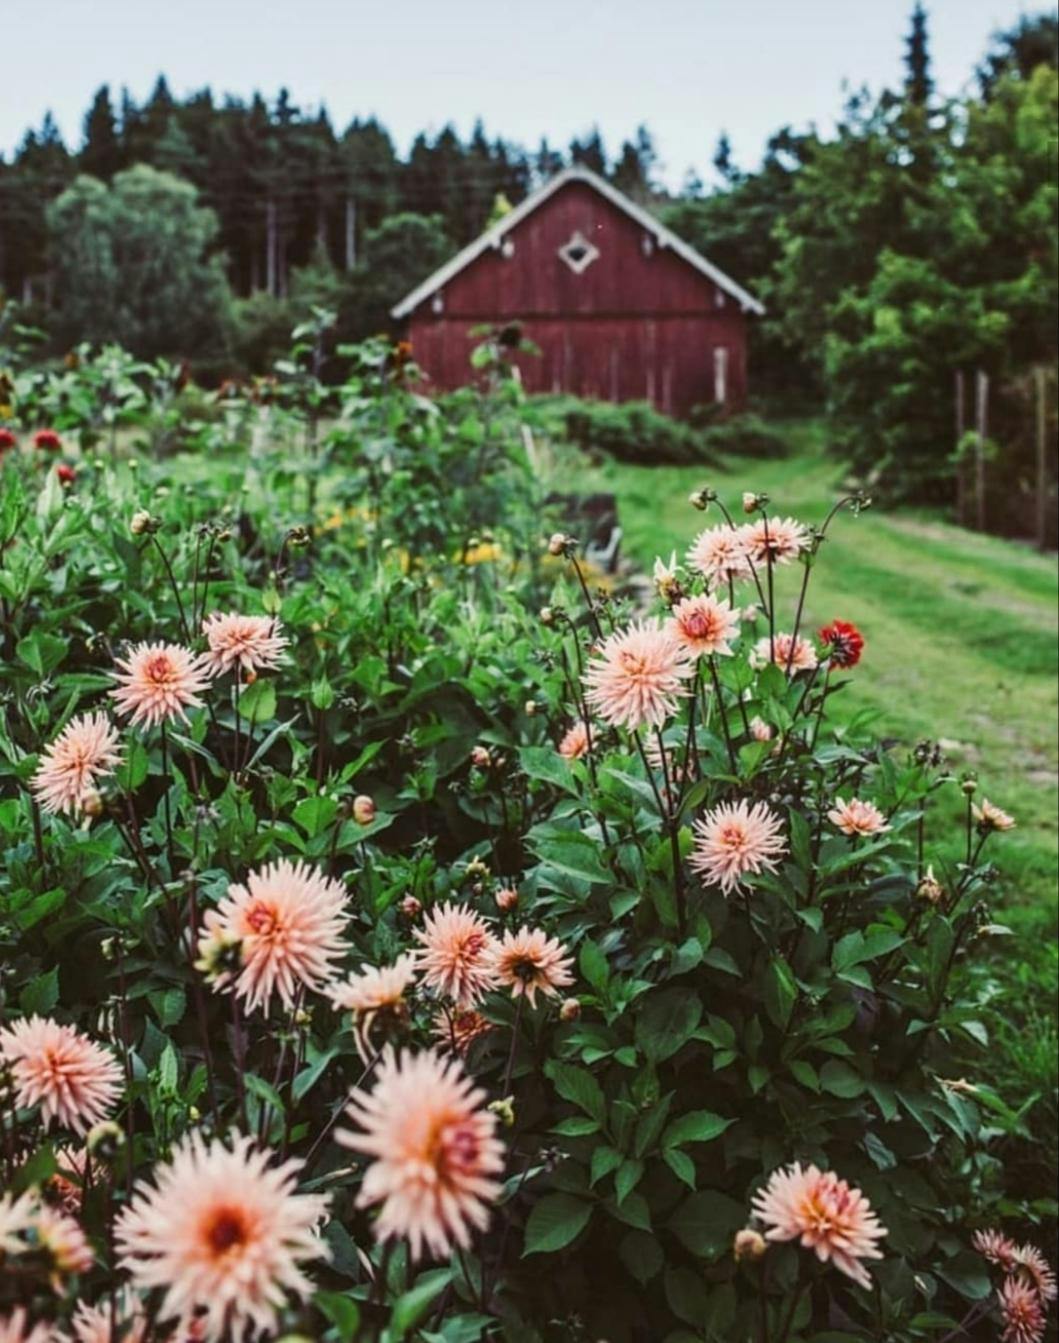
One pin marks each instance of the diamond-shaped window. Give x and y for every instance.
(578, 252)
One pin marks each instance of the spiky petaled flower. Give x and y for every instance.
(126, 1324)
(435, 1155)
(990, 817)
(251, 643)
(288, 920)
(74, 1169)
(62, 1242)
(735, 840)
(637, 677)
(157, 682)
(16, 1217)
(857, 817)
(222, 1232)
(374, 992)
(704, 626)
(760, 730)
(530, 960)
(83, 753)
(16, 1328)
(720, 554)
(575, 743)
(71, 1078)
(782, 538)
(844, 643)
(785, 651)
(824, 1214)
(455, 958)
(458, 1028)
(1022, 1312)
(1032, 1267)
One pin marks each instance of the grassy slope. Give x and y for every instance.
(961, 628)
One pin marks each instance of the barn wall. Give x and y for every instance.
(639, 323)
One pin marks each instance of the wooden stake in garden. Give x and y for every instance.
(1041, 379)
(981, 425)
(961, 465)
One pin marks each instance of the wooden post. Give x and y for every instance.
(271, 250)
(1041, 379)
(981, 422)
(961, 464)
(351, 232)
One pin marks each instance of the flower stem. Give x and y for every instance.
(718, 696)
(505, 1089)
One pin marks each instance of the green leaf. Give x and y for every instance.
(133, 768)
(554, 1222)
(593, 965)
(781, 992)
(342, 1311)
(42, 652)
(706, 1222)
(687, 1295)
(257, 702)
(41, 993)
(315, 814)
(641, 1254)
(409, 1308)
(839, 1079)
(696, 1126)
(666, 1022)
(628, 1177)
(545, 763)
(681, 1165)
(579, 1087)
(604, 1160)
(856, 948)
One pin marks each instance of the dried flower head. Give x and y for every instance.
(455, 958)
(735, 840)
(930, 888)
(435, 1155)
(85, 751)
(157, 682)
(857, 817)
(246, 643)
(72, 1079)
(637, 676)
(530, 960)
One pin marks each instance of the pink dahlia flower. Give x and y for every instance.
(1032, 1267)
(456, 957)
(990, 817)
(372, 992)
(435, 1154)
(457, 1029)
(69, 770)
(637, 677)
(735, 840)
(704, 626)
(996, 1247)
(157, 682)
(61, 1241)
(92, 1324)
(530, 960)
(824, 1214)
(575, 743)
(288, 921)
(1022, 1312)
(16, 1328)
(782, 538)
(71, 1078)
(857, 817)
(785, 651)
(251, 643)
(720, 554)
(222, 1232)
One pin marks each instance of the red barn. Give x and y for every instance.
(620, 307)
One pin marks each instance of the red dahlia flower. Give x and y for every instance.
(47, 440)
(844, 642)
(7, 440)
(67, 475)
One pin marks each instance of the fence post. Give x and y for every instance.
(1041, 377)
(961, 465)
(981, 417)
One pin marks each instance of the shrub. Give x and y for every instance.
(631, 431)
(746, 436)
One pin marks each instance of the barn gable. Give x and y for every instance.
(578, 251)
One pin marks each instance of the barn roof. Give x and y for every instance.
(493, 237)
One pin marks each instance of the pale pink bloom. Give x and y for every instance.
(735, 839)
(760, 730)
(458, 1028)
(720, 553)
(159, 681)
(782, 538)
(16, 1328)
(575, 743)
(1022, 1312)
(288, 920)
(506, 899)
(251, 643)
(68, 1182)
(92, 1324)
(637, 676)
(1032, 1267)
(778, 650)
(824, 1214)
(857, 817)
(530, 960)
(374, 991)
(223, 1232)
(63, 1244)
(455, 960)
(704, 626)
(434, 1148)
(74, 1080)
(990, 817)
(16, 1217)
(83, 752)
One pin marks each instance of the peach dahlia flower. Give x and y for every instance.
(637, 676)
(720, 554)
(704, 626)
(251, 643)
(16, 1328)
(782, 538)
(158, 681)
(990, 817)
(288, 921)
(455, 960)
(435, 1155)
(996, 1247)
(222, 1231)
(824, 1214)
(458, 1028)
(1032, 1267)
(1022, 1312)
(857, 817)
(786, 652)
(735, 840)
(92, 1324)
(71, 1078)
(575, 743)
(372, 992)
(69, 770)
(530, 960)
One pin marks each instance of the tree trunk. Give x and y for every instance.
(981, 419)
(271, 250)
(961, 464)
(1041, 378)
(351, 233)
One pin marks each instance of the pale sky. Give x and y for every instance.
(688, 68)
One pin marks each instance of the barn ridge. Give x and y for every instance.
(492, 239)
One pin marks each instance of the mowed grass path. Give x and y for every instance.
(961, 629)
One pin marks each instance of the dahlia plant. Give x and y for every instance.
(391, 952)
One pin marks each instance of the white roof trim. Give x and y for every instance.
(493, 237)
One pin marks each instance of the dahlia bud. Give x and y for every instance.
(929, 888)
(969, 786)
(749, 501)
(65, 474)
(194, 1113)
(480, 756)
(298, 536)
(105, 1140)
(530, 708)
(363, 809)
(141, 522)
(476, 869)
(748, 1244)
(760, 730)
(303, 1017)
(410, 907)
(504, 1110)
(92, 804)
(506, 899)
(547, 615)
(556, 543)
(570, 1010)
(249, 676)
(701, 499)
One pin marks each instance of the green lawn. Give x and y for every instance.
(961, 628)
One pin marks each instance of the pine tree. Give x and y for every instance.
(919, 86)
(101, 154)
